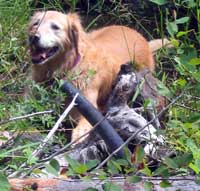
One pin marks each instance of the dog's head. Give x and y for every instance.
(52, 33)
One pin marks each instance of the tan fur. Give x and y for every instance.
(102, 51)
(154, 45)
(126, 44)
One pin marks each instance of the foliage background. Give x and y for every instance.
(177, 69)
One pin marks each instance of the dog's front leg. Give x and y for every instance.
(83, 125)
(82, 128)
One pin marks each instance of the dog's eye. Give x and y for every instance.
(36, 23)
(55, 27)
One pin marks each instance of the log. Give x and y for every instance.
(177, 183)
(104, 129)
(126, 121)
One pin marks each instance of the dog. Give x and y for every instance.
(59, 44)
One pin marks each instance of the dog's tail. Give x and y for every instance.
(159, 43)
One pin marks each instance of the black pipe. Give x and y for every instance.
(104, 128)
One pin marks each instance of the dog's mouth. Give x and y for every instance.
(40, 55)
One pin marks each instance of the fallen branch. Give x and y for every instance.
(55, 127)
(177, 183)
(38, 151)
(141, 129)
(25, 116)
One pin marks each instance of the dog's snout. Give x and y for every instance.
(34, 39)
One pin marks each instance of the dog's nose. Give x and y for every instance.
(34, 39)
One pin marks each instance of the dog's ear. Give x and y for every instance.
(74, 37)
(74, 30)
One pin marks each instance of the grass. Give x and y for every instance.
(177, 68)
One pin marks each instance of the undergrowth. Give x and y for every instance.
(177, 69)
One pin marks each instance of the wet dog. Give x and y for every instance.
(58, 43)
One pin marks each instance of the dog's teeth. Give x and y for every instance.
(43, 55)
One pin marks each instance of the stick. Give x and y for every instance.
(55, 127)
(51, 133)
(26, 116)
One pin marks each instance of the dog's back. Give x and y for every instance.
(124, 43)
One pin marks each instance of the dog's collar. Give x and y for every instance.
(76, 61)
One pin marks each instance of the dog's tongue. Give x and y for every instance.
(39, 56)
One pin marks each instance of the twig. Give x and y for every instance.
(176, 178)
(49, 136)
(140, 130)
(41, 162)
(65, 147)
(71, 143)
(55, 127)
(191, 96)
(187, 107)
(26, 116)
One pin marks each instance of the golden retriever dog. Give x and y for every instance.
(59, 44)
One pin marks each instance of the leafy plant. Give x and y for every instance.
(4, 186)
(178, 69)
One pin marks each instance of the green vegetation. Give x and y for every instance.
(177, 69)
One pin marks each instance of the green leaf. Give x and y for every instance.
(148, 186)
(122, 162)
(138, 90)
(37, 171)
(4, 184)
(108, 186)
(185, 58)
(81, 169)
(191, 3)
(76, 166)
(134, 179)
(50, 169)
(184, 159)
(159, 2)
(175, 42)
(72, 162)
(162, 89)
(91, 189)
(100, 174)
(146, 171)
(195, 61)
(147, 103)
(194, 168)
(191, 145)
(165, 184)
(171, 163)
(172, 28)
(182, 20)
(161, 171)
(182, 33)
(55, 164)
(117, 165)
(197, 163)
(181, 82)
(112, 168)
(139, 154)
(91, 164)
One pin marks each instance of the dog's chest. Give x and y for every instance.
(80, 78)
